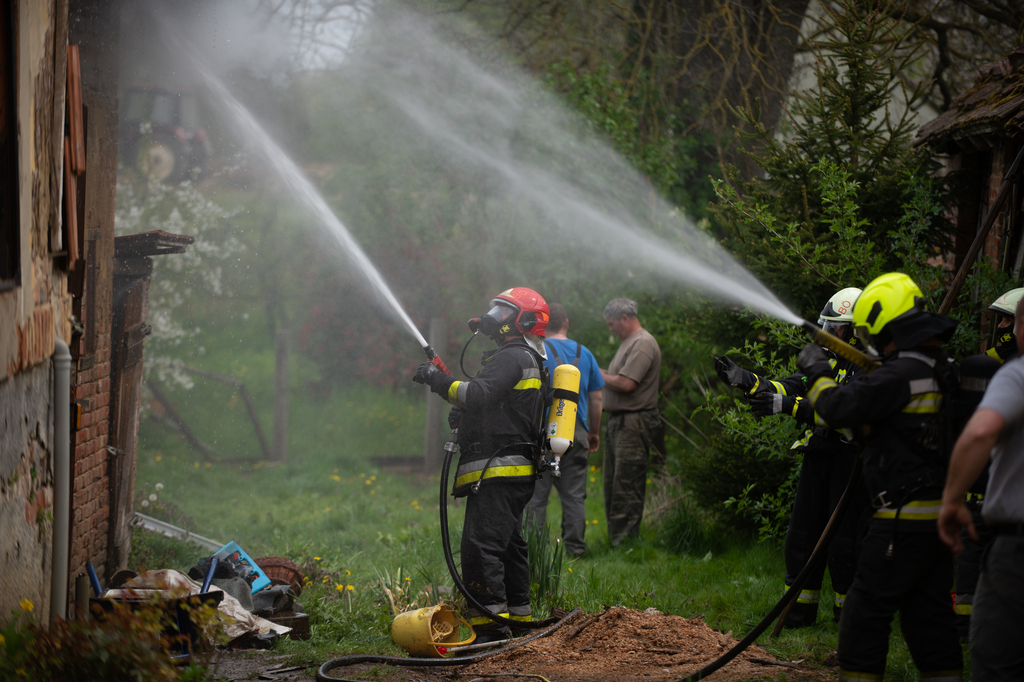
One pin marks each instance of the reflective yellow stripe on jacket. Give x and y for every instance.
(531, 379)
(458, 390)
(918, 510)
(822, 384)
(508, 466)
(925, 397)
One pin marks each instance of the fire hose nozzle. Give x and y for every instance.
(840, 347)
(435, 360)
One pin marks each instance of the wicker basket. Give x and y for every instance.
(282, 571)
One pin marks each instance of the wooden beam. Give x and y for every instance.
(979, 240)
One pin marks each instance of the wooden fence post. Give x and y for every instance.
(281, 398)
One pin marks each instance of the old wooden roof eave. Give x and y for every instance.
(990, 112)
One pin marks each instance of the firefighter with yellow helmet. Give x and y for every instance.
(898, 413)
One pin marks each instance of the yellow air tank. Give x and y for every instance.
(562, 414)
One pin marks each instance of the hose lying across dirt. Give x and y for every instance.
(817, 556)
(354, 659)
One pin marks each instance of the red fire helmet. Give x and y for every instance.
(533, 314)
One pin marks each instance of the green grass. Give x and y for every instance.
(351, 523)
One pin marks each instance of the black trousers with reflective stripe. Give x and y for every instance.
(968, 570)
(916, 581)
(823, 477)
(495, 565)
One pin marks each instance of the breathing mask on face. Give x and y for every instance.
(836, 329)
(499, 321)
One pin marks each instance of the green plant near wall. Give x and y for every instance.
(126, 643)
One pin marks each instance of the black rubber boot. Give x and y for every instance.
(802, 616)
(492, 632)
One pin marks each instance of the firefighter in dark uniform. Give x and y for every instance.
(902, 564)
(827, 460)
(975, 372)
(1006, 345)
(499, 422)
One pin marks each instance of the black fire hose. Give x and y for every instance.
(355, 659)
(449, 452)
(817, 556)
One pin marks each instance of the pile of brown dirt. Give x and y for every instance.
(625, 644)
(620, 644)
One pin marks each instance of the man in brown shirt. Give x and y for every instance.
(630, 398)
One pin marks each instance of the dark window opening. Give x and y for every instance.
(10, 222)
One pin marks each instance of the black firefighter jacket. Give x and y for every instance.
(897, 407)
(500, 424)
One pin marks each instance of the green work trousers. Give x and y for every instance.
(628, 440)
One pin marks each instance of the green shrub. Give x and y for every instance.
(124, 645)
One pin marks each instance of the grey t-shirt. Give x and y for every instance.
(1004, 497)
(638, 358)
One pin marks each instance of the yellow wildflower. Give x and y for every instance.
(27, 605)
(348, 572)
(336, 477)
(339, 587)
(350, 587)
(158, 458)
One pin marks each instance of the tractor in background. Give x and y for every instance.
(160, 134)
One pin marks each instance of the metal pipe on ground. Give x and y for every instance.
(61, 480)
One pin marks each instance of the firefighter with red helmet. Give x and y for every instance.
(498, 437)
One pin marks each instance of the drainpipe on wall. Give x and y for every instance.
(61, 479)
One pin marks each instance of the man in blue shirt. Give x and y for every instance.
(572, 486)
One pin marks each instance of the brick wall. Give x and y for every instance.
(90, 29)
(90, 499)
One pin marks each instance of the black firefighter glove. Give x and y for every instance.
(813, 362)
(437, 380)
(454, 417)
(765, 404)
(734, 375)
